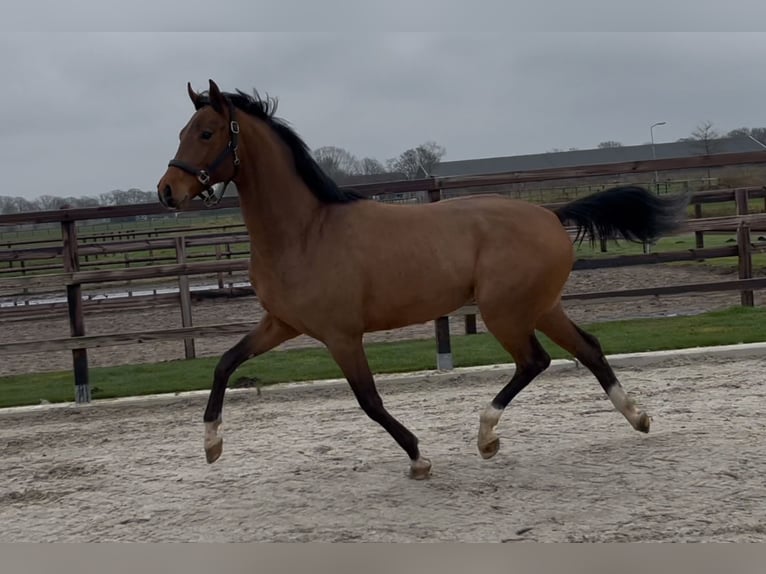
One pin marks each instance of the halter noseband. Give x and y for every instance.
(209, 195)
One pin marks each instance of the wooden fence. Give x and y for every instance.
(76, 274)
(146, 247)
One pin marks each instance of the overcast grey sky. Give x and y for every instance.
(87, 113)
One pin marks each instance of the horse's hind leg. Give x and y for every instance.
(530, 359)
(269, 333)
(586, 348)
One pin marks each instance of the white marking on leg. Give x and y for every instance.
(211, 435)
(625, 405)
(487, 423)
(420, 468)
(620, 399)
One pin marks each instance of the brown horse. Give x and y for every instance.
(332, 265)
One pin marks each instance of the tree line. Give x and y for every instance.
(338, 163)
(342, 165)
(706, 134)
(50, 202)
(345, 167)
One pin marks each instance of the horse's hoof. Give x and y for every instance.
(644, 421)
(489, 449)
(420, 469)
(213, 450)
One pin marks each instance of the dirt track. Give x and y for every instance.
(309, 466)
(223, 311)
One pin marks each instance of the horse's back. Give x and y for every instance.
(417, 261)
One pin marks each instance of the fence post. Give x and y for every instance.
(443, 345)
(441, 324)
(184, 296)
(82, 393)
(470, 324)
(217, 248)
(130, 283)
(741, 200)
(228, 258)
(25, 291)
(699, 236)
(745, 262)
(745, 259)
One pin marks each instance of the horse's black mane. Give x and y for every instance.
(321, 185)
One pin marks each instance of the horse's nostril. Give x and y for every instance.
(167, 196)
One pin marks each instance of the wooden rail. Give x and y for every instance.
(137, 302)
(709, 224)
(202, 239)
(185, 333)
(61, 280)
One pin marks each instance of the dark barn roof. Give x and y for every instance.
(591, 157)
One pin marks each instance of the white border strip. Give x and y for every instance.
(650, 358)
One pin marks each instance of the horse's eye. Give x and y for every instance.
(206, 135)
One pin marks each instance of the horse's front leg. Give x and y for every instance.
(269, 333)
(351, 358)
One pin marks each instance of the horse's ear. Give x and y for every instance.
(217, 99)
(194, 96)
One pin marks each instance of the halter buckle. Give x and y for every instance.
(211, 197)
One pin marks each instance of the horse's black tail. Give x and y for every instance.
(630, 212)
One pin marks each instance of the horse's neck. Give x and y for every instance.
(276, 205)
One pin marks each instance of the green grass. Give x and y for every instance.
(736, 325)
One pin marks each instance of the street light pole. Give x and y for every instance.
(647, 248)
(654, 155)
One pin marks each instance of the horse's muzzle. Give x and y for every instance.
(166, 196)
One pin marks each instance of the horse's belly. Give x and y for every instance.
(395, 310)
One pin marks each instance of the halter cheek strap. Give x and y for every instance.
(210, 194)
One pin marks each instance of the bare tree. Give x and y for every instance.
(419, 161)
(707, 140)
(758, 134)
(124, 197)
(371, 166)
(739, 132)
(336, 162)
(707, 137)
(609, 144)
(48, 202)
(15, 205)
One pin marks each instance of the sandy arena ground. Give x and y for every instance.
(309, 466)
(243, 309)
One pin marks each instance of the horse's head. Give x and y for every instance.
(207, 141)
